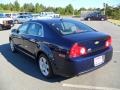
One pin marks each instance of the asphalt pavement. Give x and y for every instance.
(19, 72)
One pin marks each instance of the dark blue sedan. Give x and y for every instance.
(62, 46)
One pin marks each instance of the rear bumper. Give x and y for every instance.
(72, 67)
(6, 26)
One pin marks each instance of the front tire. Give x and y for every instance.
(45, 66)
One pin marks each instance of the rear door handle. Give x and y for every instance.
(20, 37)
(32, 40)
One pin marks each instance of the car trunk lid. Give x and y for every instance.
(93, 41)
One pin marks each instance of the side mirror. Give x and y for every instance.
(15, 31)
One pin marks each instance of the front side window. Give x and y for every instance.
(23, 29)
(70, 27)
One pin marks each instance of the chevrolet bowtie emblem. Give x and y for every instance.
(96, 42)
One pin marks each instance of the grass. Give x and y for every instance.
(117, 22)
(7, 11)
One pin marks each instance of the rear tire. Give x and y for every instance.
(102, 19)
(89, 19)
(45, 66)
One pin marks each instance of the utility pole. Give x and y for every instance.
(73, 13)
(104, 5)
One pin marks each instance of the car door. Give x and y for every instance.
(19, 19)
(22, 19)
(34, 33)
(97, 17)
(19, 36)
(93, 17)
(25, 18)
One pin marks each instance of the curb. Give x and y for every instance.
(114, 23)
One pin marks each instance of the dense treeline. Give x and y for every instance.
(112, 12)
(37, 8)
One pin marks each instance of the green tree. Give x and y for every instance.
(82, 9)
(69, 9)
(76, 12)
(37, 8)
(49, 9)
(28, 7)
(16, 5)
(1, 8)
(11, 7)
(60, 10)
(113, 12)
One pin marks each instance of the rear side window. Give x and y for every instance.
(36, 29)
(20, 16)
(8, 15)
(25, 17)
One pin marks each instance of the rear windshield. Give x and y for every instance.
(70, 27)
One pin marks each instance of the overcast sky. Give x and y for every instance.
(62, 3)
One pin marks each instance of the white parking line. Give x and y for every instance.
(116, 39)
(116, 51)
(88, 87)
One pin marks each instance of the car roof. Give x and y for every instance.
(46, 20)
(23, 15)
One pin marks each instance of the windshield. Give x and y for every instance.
(70, 27)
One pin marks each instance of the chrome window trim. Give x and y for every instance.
(31, 34)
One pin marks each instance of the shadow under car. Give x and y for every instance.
(25, 64)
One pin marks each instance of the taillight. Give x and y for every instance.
(77, 50)
(108, 42)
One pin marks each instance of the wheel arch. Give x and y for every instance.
(39, 53)
(48, 54)
(44, 49)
